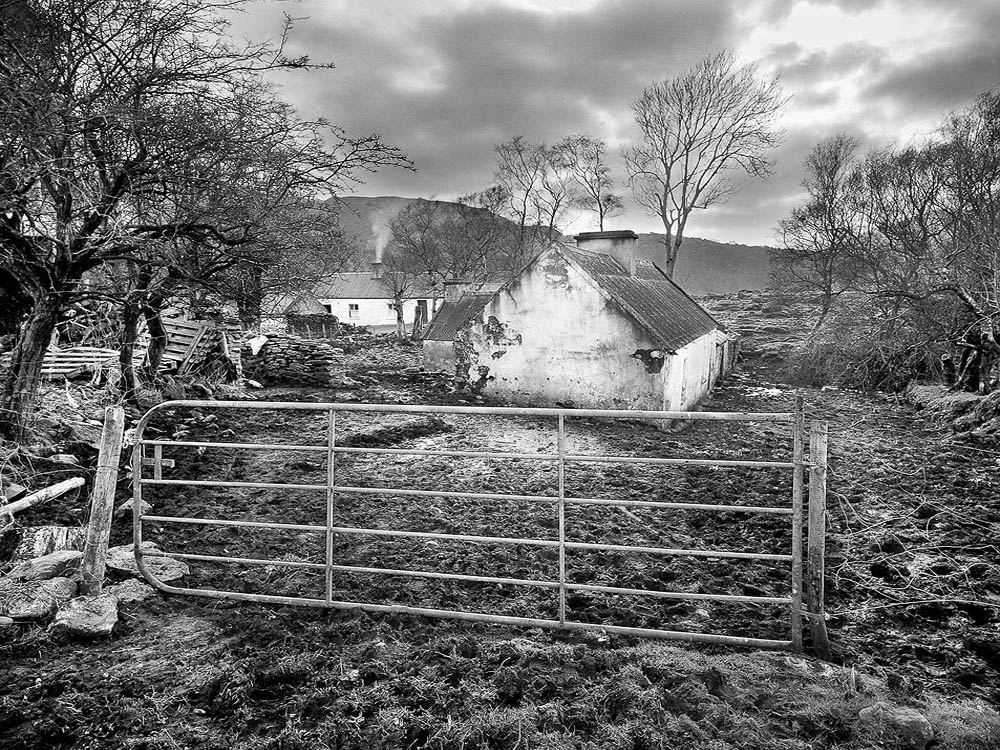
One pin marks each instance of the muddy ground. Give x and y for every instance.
(913, 588)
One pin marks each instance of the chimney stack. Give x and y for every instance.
(455, 288)
(619, 244)
(377, 270)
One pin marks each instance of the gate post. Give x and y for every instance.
(817, 537)
(798, 438)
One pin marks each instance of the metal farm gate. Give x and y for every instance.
(803, 600)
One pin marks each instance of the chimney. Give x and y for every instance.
(455, 288)
(377, 270)
(619, 244)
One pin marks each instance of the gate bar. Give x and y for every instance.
(727, 640)
(528, 582)
(511, 411)
(679, 594)
(651, 460)
(359, 531)
(678, 461)
(489, 496)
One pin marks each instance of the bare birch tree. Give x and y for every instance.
(586, 159)
(696, 129)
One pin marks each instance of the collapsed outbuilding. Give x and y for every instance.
(589, 326)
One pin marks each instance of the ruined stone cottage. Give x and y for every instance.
(589, 326)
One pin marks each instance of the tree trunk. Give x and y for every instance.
(418, 323)
(20, 386)
(157, 343)
(400, 323)
(669, 259)
(126, 352)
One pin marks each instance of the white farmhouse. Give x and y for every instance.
(366, 299)
(588, 326)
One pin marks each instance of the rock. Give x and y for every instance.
(131, 591)
(33, 600)
(86, 616)
(125, 509)
(53, 565)
(41, 540)
(912, 727)
(122, 560)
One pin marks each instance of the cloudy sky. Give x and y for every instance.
(447, 80)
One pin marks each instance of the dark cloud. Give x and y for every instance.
(830, 64)
(448, 87)
(941, 80)
(447, 84)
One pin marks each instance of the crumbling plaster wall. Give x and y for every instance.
(552, 337)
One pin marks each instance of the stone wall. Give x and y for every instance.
(284, 358)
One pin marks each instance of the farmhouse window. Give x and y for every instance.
(353, 311)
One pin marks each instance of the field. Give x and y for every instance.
(912, 590)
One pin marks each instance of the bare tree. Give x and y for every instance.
(538, 187)
(916, 230)
(465, 240)
(122, 131)
(405, 277)
(696, 128)
(585, 158)
(823, 241)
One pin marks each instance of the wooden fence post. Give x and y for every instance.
(102, 502)
(817, 538)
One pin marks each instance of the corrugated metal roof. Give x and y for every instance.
(363, 286)
(652, 300)
(452, 315)
(655, 302)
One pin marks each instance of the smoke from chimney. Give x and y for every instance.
(380, 228)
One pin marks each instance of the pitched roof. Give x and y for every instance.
(655, 302)
(364, 286)
(453, 314)
(652, 300)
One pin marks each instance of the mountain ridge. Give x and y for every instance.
(703, 266)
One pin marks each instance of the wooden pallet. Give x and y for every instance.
(188, 343)
(62, 364)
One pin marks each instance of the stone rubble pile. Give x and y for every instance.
(287, 359)
(44, 580)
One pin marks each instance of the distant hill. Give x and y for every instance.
(704, 266)
(709, 267)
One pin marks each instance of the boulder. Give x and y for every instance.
(53, 565)
(122, 560)
(86, 616)
(130, 591)
(33, 600)
(125, 509)
(41, 540)
(911, 727)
